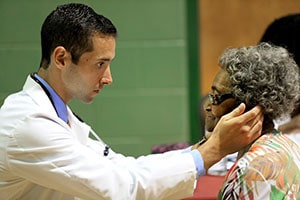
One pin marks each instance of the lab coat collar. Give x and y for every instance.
(36, 92)
(59, 105)
(38, 95)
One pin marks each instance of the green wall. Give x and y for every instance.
(150, 100)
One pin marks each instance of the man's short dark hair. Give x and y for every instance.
(72, 26)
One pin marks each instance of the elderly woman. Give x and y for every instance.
(262, 75)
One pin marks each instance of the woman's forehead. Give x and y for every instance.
(221, 81)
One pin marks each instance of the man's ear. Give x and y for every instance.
(61, 57)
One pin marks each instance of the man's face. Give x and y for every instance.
(221, 85)
(87, 78)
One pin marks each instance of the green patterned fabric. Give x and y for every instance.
(269, 170)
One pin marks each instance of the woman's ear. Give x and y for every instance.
(61, 57)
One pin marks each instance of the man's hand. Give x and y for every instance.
(292, 126)
(234, 131)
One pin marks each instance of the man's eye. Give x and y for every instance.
(100, 64)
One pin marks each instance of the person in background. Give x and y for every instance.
(45, 150)
(264, 75)
(285, 32)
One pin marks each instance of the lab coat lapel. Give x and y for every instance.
(80, 129)
(40, 97)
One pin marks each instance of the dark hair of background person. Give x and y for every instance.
(285, 32)
(72, 26)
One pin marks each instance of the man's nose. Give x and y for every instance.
(107, 77)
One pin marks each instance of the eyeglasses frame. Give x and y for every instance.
(217, 99)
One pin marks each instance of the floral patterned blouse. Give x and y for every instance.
(269, 170)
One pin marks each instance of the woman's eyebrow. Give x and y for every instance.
(214, 88)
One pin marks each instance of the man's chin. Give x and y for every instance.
(87, 101)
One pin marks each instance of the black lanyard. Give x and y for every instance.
(44, 88)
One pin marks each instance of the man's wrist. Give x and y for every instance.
(210, 154)
(199, 162)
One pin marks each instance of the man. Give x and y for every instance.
(45, 151)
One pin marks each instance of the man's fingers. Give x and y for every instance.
(252, 116)
(250, 122)
(237, 129)
(253, 126)
(255, 130)
(236, 112)
(258, 118)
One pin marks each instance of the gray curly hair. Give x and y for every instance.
(264, 75)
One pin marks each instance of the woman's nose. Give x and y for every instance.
(206, 104)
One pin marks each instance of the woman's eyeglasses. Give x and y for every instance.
(217, 99)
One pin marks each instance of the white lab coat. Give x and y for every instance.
(43, 158)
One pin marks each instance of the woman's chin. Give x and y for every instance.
(208, 134)
(209, 128)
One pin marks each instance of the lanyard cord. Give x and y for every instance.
(106, 148)
(44, 88)
(57, 102)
